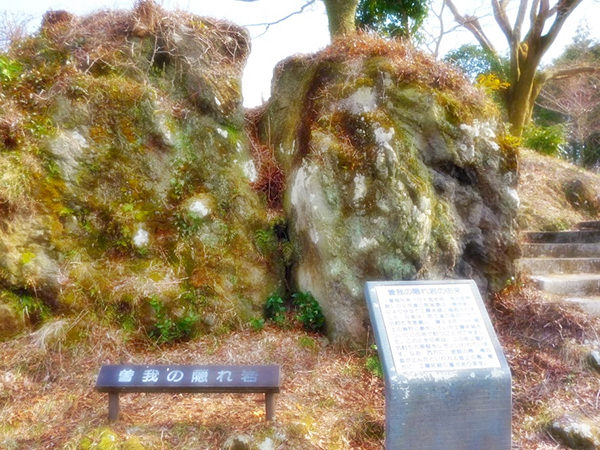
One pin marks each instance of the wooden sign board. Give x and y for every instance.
(176, 378)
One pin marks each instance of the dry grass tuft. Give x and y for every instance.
(104, 42)
(271, 179)
(409, 64)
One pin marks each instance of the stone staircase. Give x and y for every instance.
(566, 264)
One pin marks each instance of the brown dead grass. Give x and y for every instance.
(271, 179)
(408, 65)
(546, 344)
(544, 205)
(328, 399)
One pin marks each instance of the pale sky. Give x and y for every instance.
(303, 33)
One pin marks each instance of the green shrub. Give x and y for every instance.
(309, 311)
(275, 309)
(547, 140)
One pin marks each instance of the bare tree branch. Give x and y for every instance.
(267, 25)
(435, 39)
(13, 27)
(519, 20)
(525, 55)
(561, 74)
(502, 19)
(472, 24)
(532, 12)
(577, 98)
(563, 9)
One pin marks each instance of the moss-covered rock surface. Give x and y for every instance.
(125, 175)
(396, 169)
(132, 185)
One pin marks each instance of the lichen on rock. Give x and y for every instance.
(394, 171)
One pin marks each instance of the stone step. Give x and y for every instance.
(591, 225)
(541, 266)
(590, 305)
(562, 237)
(589, 250)
(573, 285)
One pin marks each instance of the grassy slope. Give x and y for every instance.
(544, 205)
(329, 399)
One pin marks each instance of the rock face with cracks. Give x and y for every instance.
(126, 175)
(395, 169)
(128, 188)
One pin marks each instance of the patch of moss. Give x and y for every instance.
(107, 439)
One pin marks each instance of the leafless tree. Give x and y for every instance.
(13, 27)
(526, 48)
(578, 99)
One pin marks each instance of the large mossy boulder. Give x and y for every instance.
(125, 172)
(396, 169)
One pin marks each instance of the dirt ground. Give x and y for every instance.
(331, 398)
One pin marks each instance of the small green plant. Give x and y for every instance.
(266, 241)
(309, 311)
(166, 329)
(547, 140)
(9, 69)
(372, 363)
(186, 225)
(33, 309)
(275, 309)
(257, 323)
(307, 343)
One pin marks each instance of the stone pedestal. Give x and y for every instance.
(448, 386)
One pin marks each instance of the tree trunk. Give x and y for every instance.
(521, 96)
(340, 14)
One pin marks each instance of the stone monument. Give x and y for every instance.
(447, 382)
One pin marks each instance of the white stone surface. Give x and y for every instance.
(250, 171)
(141, 238)
(68, 147)
(362, 100)
(199, 208)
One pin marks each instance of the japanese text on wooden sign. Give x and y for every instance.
(126, 376)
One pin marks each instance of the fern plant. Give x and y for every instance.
(275, 309)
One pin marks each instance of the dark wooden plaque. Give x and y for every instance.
(175, 378)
